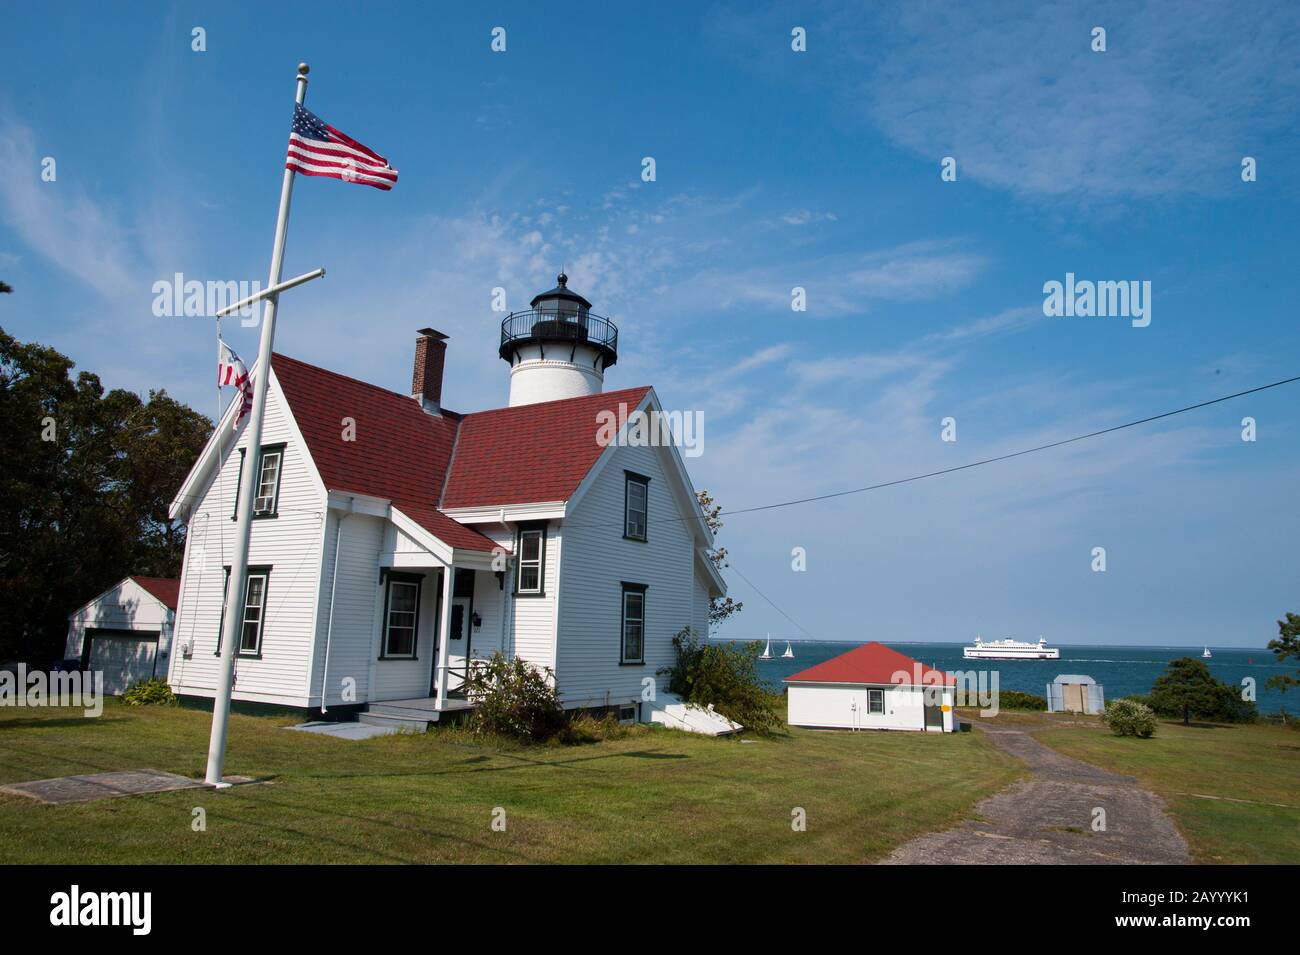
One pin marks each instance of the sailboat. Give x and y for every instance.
(789, 652)
(767, 650)
(1207, 654)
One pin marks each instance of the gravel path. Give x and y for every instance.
(1048, 818)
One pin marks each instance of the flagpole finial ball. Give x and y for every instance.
(303, 69)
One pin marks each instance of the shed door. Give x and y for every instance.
(933, 718)
(125, 657)
(1073, 697)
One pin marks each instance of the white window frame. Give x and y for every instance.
(537, 562)
(260, 621)
(276, 455)
(414, 627)
(875, 698)
(643, 484)
(630, 590)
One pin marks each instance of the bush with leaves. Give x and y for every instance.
(154, 692)
(515, 700)
(1129, 718)
(726, 676)
(1015, 700)
(1186, 689)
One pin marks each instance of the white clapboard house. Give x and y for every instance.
(872, 687)
(395, 541)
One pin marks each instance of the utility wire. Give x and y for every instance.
(963, 467)
(731, 566)
(972, 464)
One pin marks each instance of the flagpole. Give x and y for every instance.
(231, 628)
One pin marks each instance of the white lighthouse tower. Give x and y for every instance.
(558, 348)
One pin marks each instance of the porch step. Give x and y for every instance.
(403, 724)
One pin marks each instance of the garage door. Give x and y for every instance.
(124, 657)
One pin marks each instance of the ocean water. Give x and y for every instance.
(1120, 670)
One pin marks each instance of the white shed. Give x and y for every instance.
(1075, 693)
(872, 687)
(126, 632)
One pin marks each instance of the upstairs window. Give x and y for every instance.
(636, 506)
(267, 498)
(532, 551)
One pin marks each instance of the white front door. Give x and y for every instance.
(458, 648)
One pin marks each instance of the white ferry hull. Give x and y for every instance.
(989, 653)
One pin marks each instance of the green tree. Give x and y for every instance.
(1187, 689)
(5, 287)
(84, 491)
(1286, 646)
(720, 608)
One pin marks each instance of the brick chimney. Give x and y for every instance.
(426, 380)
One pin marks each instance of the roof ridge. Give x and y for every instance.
(643, 389)
(279, 356)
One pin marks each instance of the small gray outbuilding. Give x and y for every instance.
(1075, 693)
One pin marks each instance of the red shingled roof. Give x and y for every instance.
(400, 452)
(523, 455)
(166, 589)
(872, 663)
(530, 453)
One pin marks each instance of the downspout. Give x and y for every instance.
(329, 625)
(505, 591)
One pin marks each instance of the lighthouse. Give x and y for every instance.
(558, 348)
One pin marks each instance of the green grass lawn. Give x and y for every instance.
(1253, 770)
(653, 796)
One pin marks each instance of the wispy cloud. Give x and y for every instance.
(81, 236)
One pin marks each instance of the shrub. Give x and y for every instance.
(154, 692)
(726, 676)
(1129, 718)
(1187, 689)
(515, 699)
(1015, 700)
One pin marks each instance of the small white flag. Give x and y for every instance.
(232, 371)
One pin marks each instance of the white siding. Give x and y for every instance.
(845, 707)
(404, 679)
(128, 606)
(700, 604)
(597, 560)
(358, 601)
(289, 543)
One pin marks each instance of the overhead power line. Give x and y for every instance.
(973, 464)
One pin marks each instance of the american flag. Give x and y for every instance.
(232, 371)
(318, 149)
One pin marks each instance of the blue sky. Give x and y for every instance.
(774, 169)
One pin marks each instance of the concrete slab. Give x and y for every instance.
(346, 730)
(107, 785)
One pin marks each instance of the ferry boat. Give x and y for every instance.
(1011, 650)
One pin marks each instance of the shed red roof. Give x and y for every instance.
(522, 455)
(166, 589)
(530, 454)
(872, 663)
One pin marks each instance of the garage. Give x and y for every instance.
(125, 657)
(125, 633)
